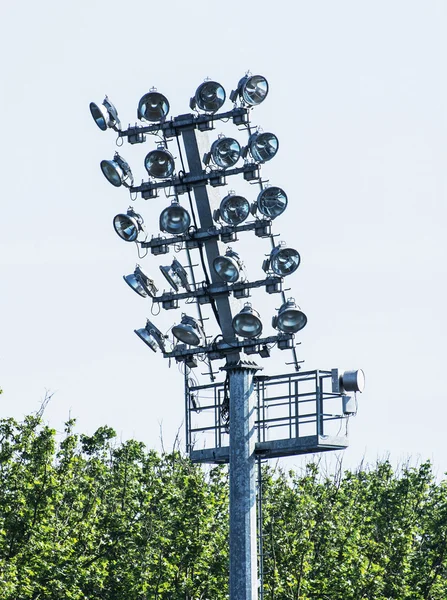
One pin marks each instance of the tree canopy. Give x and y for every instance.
(88, 518)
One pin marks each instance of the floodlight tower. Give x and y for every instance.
(219, 283)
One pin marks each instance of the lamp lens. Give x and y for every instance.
(234, 209)
(153, 107)
(264, 146)
(147, 338)
(112, 172)
(255, 90)
(175, 219)
(135, 284)
(227, 268)
(247, 324)
(126, 227)
(272, 202)
(291, 320)
(210, 96)
(186, 334)
(159, 164)
(98, 116)
(285, 261)
(225, 152)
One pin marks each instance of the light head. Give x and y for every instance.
(105, 115)
(175, 219)
(153, 107)
(247, 322)
(117, 171)
(189, 331)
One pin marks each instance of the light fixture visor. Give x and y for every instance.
(234, 209)
(126, 227)
(263, 146)
(225, 152)
(254, 90)
(247, 323)
(227, 268)
(210, 96)
(153, 107)
(159, 163)
(272, 202)
(175, 219)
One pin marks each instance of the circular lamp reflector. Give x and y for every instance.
(112, 172)
(272, 202)
(127, 227)
(263, 146)
(159, 163)
(147, 338)
(188, 331)
(284, 261)
(234, 209)
(100, 115)
(210, 96)
(135, 284)
(153, 107)
(353, 381)
(175, 219)
(247, 323)
(225, 152)
(254, 90)
(227, 267)
(290, 318)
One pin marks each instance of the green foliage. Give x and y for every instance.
(371, 534)
(91, 519)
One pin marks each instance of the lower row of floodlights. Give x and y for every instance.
(246, 324)
(210, 96)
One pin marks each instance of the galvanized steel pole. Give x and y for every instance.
(243, 546)
(243, 541)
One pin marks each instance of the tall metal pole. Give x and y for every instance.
(243, 546)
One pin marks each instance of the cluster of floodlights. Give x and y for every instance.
(234, 209)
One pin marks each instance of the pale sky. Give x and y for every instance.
(358, 100)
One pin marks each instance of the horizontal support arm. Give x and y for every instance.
(215, 289)
(206, 177)
(174, 126)
(182, 351)
(201, 235)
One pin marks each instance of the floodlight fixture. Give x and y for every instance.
(233, 209)
(160, 163)
(153, 107)
(209, 97)
(224, 152)
(353, 381)
(141, 283)
(251, 90)
(117, 171)
(176, 275)
(175, 219)
(262, 146)
(247, 322)
(128, 225)
(290, 318)
(105, 115)
(189, 331)
(152, 336)
(283, 260)
(228, 266)
(272, 202)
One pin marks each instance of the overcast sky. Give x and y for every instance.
(358, 100)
